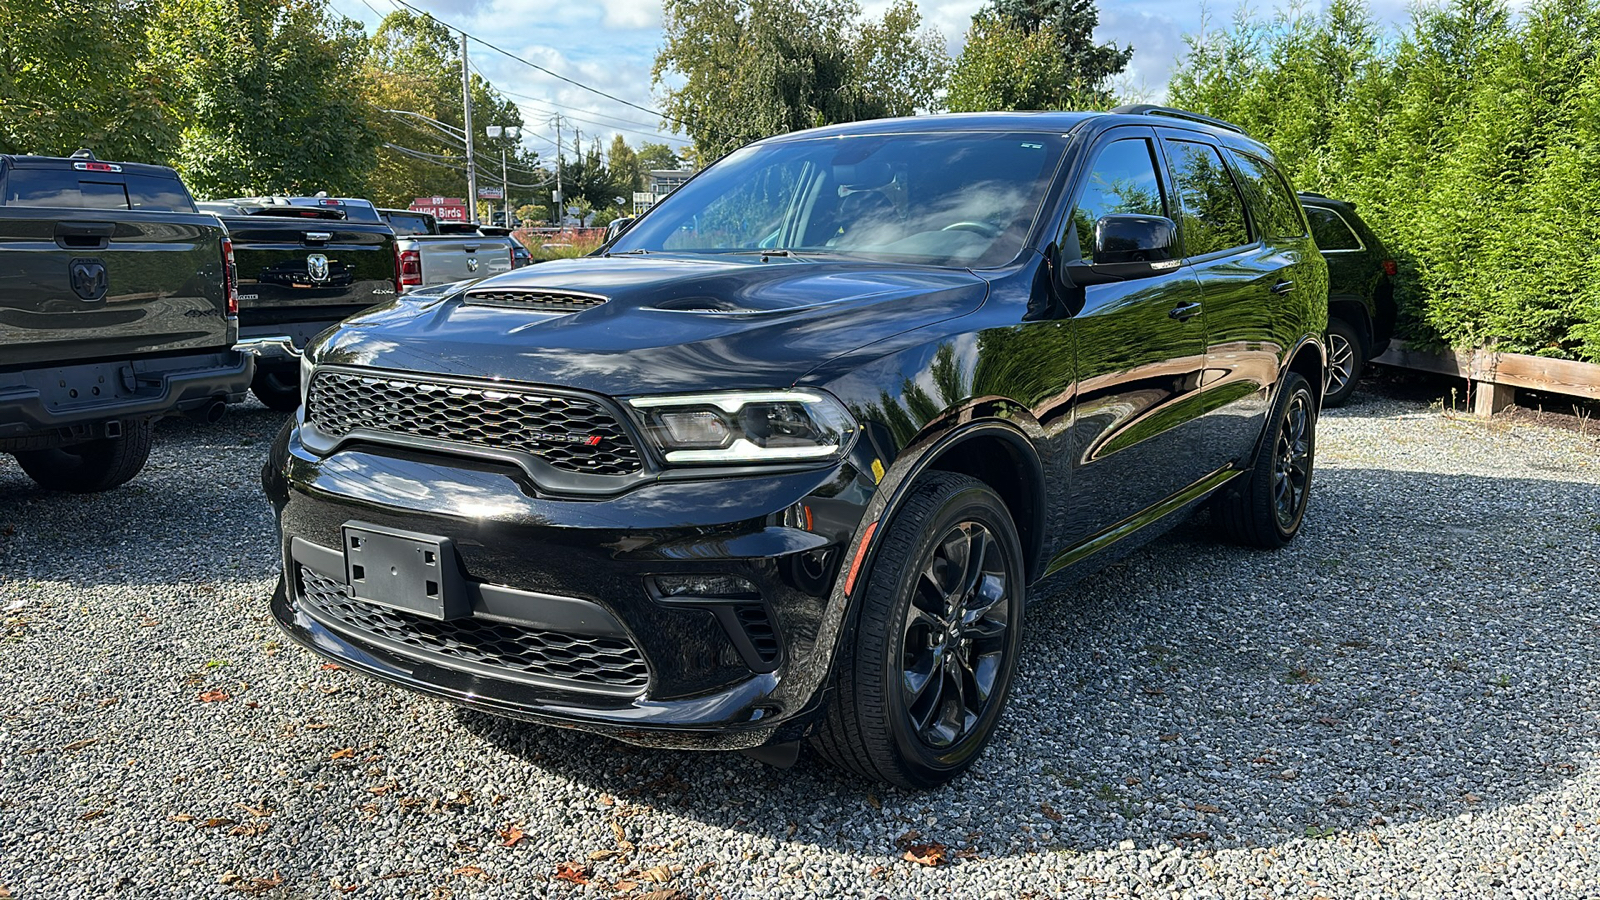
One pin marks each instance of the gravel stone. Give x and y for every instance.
(1403, 703)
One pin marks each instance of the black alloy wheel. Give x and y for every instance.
(1265, 506)
(921, 678)
(954, 637)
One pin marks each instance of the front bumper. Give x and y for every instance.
(579, 576)
(41, 401)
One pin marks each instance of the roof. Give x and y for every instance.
(28, 161)
(1315, 199)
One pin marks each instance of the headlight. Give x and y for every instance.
(747, 426)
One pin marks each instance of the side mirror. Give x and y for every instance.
(1127, 247)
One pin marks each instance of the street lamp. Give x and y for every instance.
(511, 134)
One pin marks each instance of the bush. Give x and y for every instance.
(1471, 144)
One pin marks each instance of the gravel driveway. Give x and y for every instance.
(1406, 702)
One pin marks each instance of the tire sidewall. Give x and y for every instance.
(971, 503)
(1296, 384)
(1358, 360)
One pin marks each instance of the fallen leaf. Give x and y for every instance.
(346, 753)
(660, 874)
(260, 812)
(79, 745)
(332, 667)
(873, 801)
(261, 885)
(214, 696)
(217, 822)
(510, 835)
(1206, 808)
(599, 855)
(1154, 691)
(878, 871)
(381, 789)
(251, 830)
(1169, 738)
(1471, 798)
(180, 817)
(665, 894)
(907, 839)
(1327, 720)
(625, 885)
(925, 854)
(1193, 836)
(93, 814)
(577, 873)
(470, 872)
(1050, 813)
(315, 726)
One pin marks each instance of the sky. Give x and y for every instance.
(610, 45)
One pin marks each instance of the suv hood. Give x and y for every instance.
(666, 324)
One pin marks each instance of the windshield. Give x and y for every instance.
(961, 199)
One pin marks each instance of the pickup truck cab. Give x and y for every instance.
(118, 305)
(304, 264)
(428, 257)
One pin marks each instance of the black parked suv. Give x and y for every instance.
(782, 460)
(118, 305)
(1361, 311)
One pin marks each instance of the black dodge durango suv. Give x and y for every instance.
(780, 462)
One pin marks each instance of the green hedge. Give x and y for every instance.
(1470, 142)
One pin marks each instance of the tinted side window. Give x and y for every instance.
(1122, 180)
(405, 225)
(360, 212)
(1276, 211)
(1330, 231)
(160, 194)
(1213, 211)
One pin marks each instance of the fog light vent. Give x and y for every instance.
(758, 628)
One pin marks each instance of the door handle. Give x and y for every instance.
(1282, 287)
(84, 235)
(1185, 312)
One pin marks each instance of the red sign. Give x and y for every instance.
(445, 209)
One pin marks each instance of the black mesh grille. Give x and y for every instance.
(758, 626)
(553, 301)
(567, 432)
(604, 662)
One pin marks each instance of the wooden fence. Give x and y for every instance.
(1496, 376)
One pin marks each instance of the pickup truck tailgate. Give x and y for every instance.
(447, 258)
(288, 266)
(79, 284)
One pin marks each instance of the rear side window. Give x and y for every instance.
(1330, 231)
(1213, 211)
(1276, 211)
(68, 189)
(1121, 181)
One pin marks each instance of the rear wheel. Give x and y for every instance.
(1265, 507)
(278, 390)
(91, 466)
(1346, 361)
(920, 686)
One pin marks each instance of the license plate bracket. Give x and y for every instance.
(405, 570)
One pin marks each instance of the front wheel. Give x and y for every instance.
(1346, 362)
(1264, 507)
(923, 676)
(92, 466)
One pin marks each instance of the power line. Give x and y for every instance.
(532, 65)
(439, 160)
(456, 143)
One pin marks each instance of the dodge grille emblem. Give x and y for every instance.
(317, 267)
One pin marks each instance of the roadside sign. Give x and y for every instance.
(491, 194)
(445, 209)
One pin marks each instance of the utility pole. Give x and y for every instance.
(472, 159)
(561, 199)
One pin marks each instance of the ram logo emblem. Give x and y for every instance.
(317, 267)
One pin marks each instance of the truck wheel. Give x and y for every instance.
(1264, 507)
(922, 677)
(97, 465)
(279, 391)
(1346, 362)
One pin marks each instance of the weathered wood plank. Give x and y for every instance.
(1489, 369)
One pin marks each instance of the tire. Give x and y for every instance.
(1249, 509)
(1347, 361)
(280, 392)
(92, 466)
(878, 724)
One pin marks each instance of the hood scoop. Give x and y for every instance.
(540, 300)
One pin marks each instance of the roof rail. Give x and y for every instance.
(1150, 109)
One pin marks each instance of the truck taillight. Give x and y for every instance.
(230, 277)
(410, 269)
(1390, 269)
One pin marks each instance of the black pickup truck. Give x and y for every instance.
(118, 305)
(304, 264)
